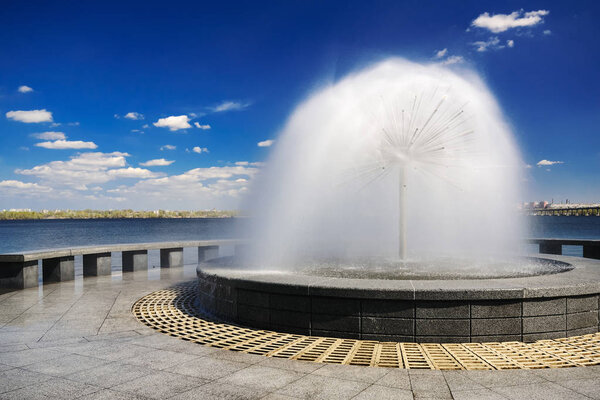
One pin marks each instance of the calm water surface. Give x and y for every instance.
(31, 235)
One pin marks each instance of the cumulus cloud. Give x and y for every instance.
(510, 43)
(131, 172)
(174, 122)
(67, 144)
(134, 115)
(453, 60)
(265, 143)
(168, 147)
(49, 135)
(23, 186)
(492, 43)
(543, 163)
(229, 106)
(203, 127)
(81, 170)
(441, 53)
(25, 89)
(200, 150)
(502, 22)
(159, 162)
(31, 116)
(547, 32)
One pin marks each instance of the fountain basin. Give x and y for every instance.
(526, 309)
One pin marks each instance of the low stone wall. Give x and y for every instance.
(523, 309)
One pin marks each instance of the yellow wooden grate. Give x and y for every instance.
(172, 311)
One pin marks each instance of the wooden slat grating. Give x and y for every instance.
(172, 311)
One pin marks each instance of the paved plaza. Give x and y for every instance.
(79, 339)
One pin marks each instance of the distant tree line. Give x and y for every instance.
(93, 214)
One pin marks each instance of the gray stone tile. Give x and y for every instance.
(539, 391)
(54, 388)
(26, 357)
(255, 376)
(160, 359)
(492, 379)
(481, 394)
(236, 356)
(560, 374)
(429, 386)
(110, 374)
(106, 394)
(459, 380)
(322, 387)
(352, 373)
(291, 365)
(65, 365)
(221, 391)
(277, 396)
(396, 378)
(112, 351)
(20, 336)
(13, 347)
(589, 387)
(384, 393)
(17, 378)
(160, 385)
(208, 368)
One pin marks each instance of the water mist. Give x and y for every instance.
(401, 161)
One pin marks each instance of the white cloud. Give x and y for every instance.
(145, 126)
(200, 150)
(157, 162)
(49, 135)
(547, 32)
(134, 115)
(174, 122)
(131, 172)
(230, 106)
(23, 186)
(491, 43)
(82, 169)
(168, 147)
(510, 43)
(73, 123)
(453, 60)
(203, 127)
(265, 143)
(252, 164)
(441, 53)
(67, 144)
(548, 163)
(25, 89)
(502, 22)
(31, 116)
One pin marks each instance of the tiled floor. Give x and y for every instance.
(79, 340)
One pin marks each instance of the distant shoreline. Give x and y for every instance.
(22, 215)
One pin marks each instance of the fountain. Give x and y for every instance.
(387, 211)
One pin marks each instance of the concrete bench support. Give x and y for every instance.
(58, 269)
(591, 252)
(551, 248)
(19, 275)
(96, 264)
(207, 253)
(135, 260)
(171, 257)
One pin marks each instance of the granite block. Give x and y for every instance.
(335, 306)
(253, 298)
(442, 309)
(532, 337)
(539, 307)
(443, 327)
(335, 334)
(251, 313)
(442, 339)
(289, 302)
(582, 320)
(582, 303)
(496, 326)
(335, 323)
(388, 326)
(388, 308)
(290, 318)
(549, 323)
(495, 309)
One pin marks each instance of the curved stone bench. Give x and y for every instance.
(20, 270)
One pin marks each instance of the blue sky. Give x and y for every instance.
(150, 105)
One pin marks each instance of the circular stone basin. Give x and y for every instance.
(527, 299)
(421, 269)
